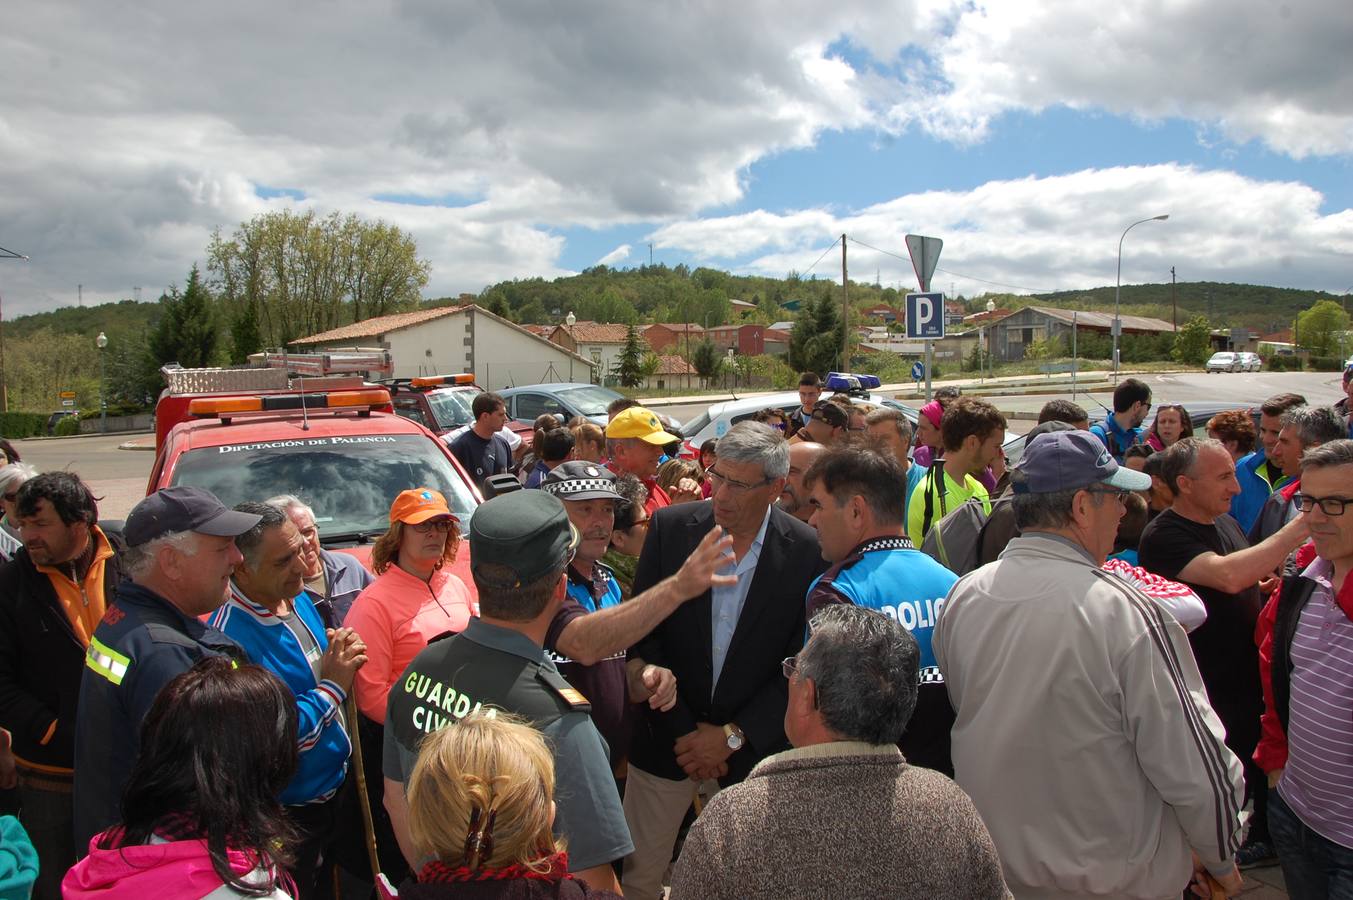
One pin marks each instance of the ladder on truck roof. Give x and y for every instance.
(371, 363)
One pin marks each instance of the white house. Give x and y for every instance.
(453, 339)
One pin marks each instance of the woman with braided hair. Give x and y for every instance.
(481, 809)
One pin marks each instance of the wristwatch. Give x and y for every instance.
(735, 736)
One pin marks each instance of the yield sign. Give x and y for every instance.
(925, 255)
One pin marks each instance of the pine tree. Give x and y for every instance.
(186, 332)
(245, 335)
(706, 360)
(629, 367)
(815, 341)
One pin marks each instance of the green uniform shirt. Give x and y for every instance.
(946, 495)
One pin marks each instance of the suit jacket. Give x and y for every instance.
(752, 691)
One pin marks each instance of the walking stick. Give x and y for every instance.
(363, 800)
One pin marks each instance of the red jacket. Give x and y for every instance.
(1271, 754)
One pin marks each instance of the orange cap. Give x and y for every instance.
(418, 505)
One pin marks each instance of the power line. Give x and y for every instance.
(829, 249)
(905, 259)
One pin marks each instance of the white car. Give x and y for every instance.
(715, 421)
(1225, 362)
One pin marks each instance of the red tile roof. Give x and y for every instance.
(370, 328)
(674, 365)
(596, 332)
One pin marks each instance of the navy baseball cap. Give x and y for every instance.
(1071, 460)
(183, 508)
(580, 480)
(527, 532)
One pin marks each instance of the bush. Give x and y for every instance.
(1327, 364)
(16, 425)
(1278, 364)
(70, 425)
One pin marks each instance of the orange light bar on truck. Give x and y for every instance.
(437, 380)
(224, 406)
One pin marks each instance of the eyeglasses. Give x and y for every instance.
(790, 666)
(1119, 494)
(431, 525)
(1330, 506)
(642, 523)
(716, 481)
(11, 496)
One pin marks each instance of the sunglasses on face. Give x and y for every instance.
(442, 525)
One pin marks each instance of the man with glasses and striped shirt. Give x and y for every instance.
(1306, 656)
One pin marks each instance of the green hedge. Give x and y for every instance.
(1327, 363)
(14, 425)
(67, 426)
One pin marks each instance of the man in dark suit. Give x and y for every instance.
(725, 646)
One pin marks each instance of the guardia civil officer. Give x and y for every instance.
(520, 545)
(180, 556)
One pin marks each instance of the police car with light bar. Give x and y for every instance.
(862, 389)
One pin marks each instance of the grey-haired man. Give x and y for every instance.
(1083, 732)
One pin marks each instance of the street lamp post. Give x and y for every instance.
(102, 343)
(1117, 287)
(568, 326)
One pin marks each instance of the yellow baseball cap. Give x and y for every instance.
(637, 422)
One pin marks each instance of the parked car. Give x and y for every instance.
(715, 421)
(55, 419)
(1251, 362)
(442, 403)
(1224, 361)
(566, 398)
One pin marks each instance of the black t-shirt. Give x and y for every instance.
(481, 458)
(1223, 645)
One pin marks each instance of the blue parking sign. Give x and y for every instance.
(925, 316)
(917, 371)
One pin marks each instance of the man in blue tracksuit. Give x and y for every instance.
(1258, 473)
(273, 618)
(180, 553)
(856, 496)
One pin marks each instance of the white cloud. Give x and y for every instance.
(1253, 68)
(125, 139)
(618, 255)
(1056, 233)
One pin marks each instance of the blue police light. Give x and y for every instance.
(847, 382)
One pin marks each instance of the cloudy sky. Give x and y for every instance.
(517, 139)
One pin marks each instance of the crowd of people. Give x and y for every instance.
(815, 661)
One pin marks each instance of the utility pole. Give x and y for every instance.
(1174, 303)
(650, 253)
(845, 311)
(79, 295)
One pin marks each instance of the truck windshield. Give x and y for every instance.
(350, 480)
(452, 408)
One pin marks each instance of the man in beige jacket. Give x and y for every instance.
(1084, 734)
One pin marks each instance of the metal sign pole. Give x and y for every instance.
(929, 364)
(1075, 363)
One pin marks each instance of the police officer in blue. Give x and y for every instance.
(520, 545)
(856, 496)
(180, 556)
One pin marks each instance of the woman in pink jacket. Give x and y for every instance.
(414, 599)
(200, 816)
